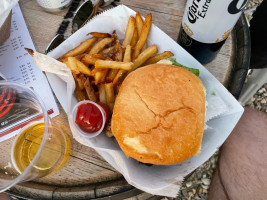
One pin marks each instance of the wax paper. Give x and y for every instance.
(223, 111)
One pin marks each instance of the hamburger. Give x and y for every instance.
(159, 114)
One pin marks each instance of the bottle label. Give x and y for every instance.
(211, 21)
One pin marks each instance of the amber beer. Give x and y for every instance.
(206, 25)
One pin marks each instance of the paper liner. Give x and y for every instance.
(223, 110)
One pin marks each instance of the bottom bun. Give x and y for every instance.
(159, 114)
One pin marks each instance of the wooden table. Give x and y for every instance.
(87, 175)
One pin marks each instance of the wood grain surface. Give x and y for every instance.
(87, 174)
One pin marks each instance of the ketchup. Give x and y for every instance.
(89, 117)
(106, 110)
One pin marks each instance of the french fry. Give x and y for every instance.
(118, 76)
(110, 97)
(71, 64)
(102, 64)
(80, 94)
(101, 57)
(102, 93)
(114, 35)
(90, 91)
(93, 72)
(63, 60)
(111, 75)
(88, 50)
(81, 48)
(104, 74)
(127, 54)
(143, 36)
(117, 46)
(80, 56)
(99, 34)
(119, 52)
(88, 59)
(118, 57)
(100, 75)
(108, 130)
(134, 38)
(139, 23)
(108, 50)
(100, 45)
(126, 58)
(144, 56)
(80, 81)
(129, 31)
(82, 67)
(75, 76)
(158, 57)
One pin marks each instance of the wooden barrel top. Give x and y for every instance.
(87, 175)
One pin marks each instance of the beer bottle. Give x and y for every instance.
(206, 25)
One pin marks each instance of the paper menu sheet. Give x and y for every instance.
(17, 65)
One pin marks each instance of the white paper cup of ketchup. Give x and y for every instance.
(89, 118)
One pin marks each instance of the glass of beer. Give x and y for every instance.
(31, 144)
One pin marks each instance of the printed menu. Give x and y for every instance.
(18, 66)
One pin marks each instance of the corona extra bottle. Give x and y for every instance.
(206, 25)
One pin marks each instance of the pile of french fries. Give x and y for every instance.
(100, 63)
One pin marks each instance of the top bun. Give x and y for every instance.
(159, 114)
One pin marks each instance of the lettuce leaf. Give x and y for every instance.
(193, 70)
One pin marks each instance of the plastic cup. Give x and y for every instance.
(31, 145)
(77, 128)
(54, 5)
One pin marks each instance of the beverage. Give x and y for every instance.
(206, 25)
(55, 152)
(31, 145)
(203, 52)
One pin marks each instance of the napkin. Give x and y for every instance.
(5, 8)
(50, 65)
(223, 110)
